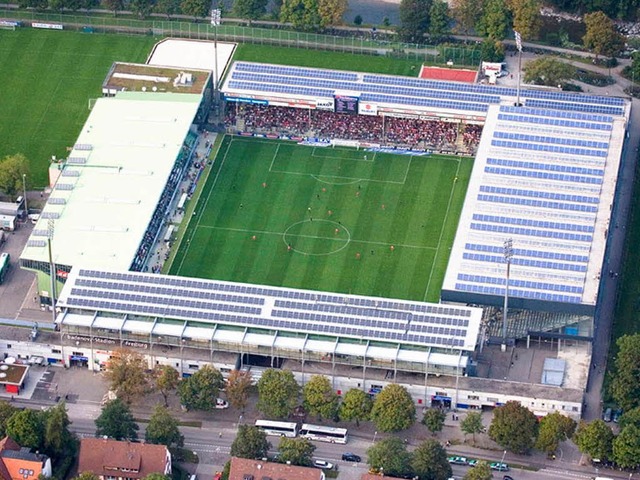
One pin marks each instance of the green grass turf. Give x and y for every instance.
(46, 80)
(339, 212)
(323, 59)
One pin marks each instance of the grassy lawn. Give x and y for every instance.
(324, 59)
(327, 219)
(46, 80)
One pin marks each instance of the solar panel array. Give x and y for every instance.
(255, 78)
(542, 191)
(215, 302)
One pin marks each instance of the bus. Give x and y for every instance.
(280, 429)
(324, 434)
(4, 266)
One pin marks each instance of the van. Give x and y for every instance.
(34, 217)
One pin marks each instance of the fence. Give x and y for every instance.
(359, 41)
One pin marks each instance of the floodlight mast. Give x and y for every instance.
(216, 17)
(508, 255)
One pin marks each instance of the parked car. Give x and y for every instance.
(507, 477)
(457, 460)
(608, 413)
(351, 457)
(500, 467)
(616, 415)
(473, 462)
(323, 464)
(220, 403)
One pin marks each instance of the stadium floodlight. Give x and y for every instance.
(508, 255)
(216, 19)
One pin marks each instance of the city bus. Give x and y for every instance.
(280, 429)
(4, 266)
(324, 434)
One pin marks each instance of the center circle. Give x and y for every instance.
(316, 237)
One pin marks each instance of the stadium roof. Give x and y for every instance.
(545, 179)
(134, 77)
(391, 95)
(112, 181)
(200, 305)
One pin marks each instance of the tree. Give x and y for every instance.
(625, 386)
(595, 439)
(391, 457)
(492, 51)
(439, 20)
(250, 442)
(601, 35)
(298, 451)
(331, 12)
(126, 374)
(414, 19)
(514, 427)
(250, 9)
(527, 20)
(195, 8)
(6, 412)
(429, 461)
(357, 20)
(58, 440)
(495, 20)
(26, 427)
(163, 428)
(114, 5)
(142, 8)
(12, 169)
(277, 393)
(238, 385)
(472, 424)
(480, 471)
(434, 420)
(355, 406)
(302, 14)
(554, 428)
(319, 399)
(626, 447)
(116, 421)
(200, 390)
(393, 409)
(466, 13)
(166, 380)
(630, 417)
(548, 71)
(167, 7)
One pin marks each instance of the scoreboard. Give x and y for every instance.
(346, 104)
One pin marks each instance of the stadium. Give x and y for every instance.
(348, 224)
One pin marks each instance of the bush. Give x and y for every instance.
(593, 78)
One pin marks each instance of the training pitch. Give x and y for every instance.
(329, 219)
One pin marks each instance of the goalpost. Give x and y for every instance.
(7, 27)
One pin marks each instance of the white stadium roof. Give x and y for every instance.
(545, 179)
(111, 184)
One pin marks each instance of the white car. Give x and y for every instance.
(323, 464)
(220, 403)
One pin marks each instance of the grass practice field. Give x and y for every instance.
(46, 80)
(334, 219)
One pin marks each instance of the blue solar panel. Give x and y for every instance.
(529, 202)
(295, 71)
(527, 222)
(369, 97)
(525, 262)
(523, 252)
(516, 283)
(515, 292)
(538, 194)
(539, 147)
(540, 112)
(552, 140)
(314, 92)
(556, 122)
(551, 167)
(531, 232)
(576, 107)
(543, 175)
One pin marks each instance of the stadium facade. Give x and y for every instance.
(551, 194)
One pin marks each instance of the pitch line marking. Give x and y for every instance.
(267, 232)
(444, 223)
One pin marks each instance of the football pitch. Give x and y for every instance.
(46, 81)
(330, 219)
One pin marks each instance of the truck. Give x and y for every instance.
(7, 223)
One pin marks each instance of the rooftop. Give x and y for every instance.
(245, 469)
(134, 77)
(113, 179)
(135, 460)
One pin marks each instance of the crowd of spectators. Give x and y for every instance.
(324, 124)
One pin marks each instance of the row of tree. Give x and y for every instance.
(12, 169)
